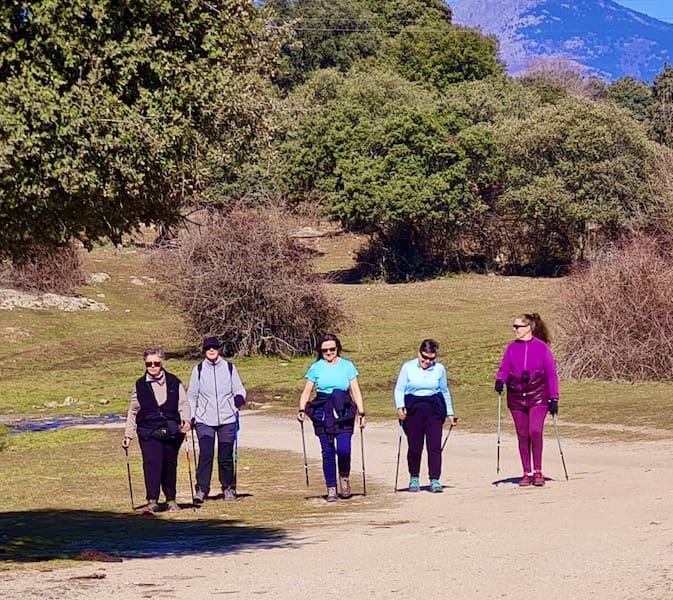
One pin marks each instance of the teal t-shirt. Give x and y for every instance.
(328, 378)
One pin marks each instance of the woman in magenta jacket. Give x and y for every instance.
(528, 370)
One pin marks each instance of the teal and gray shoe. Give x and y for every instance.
(414, 484)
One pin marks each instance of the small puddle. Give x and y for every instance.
(51, 423)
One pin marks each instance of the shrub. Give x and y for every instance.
(241, 277)
(616, 318)
(58, 271)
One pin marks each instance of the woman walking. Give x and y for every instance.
(423, 403)
(159, 413)
(215, 394)
(528, 370)
(333, 411)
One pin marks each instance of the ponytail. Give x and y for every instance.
(538, 327)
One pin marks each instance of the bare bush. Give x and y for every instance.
(47, 270)
(616, 318)
(241, 277)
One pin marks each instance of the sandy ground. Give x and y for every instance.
(606, 533)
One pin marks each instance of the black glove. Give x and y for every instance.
(499, 385)
(553, 406)
(193, 422)
(239, 400)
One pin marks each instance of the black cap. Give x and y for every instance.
(211, 342)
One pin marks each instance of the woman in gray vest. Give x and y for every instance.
(160, 414)
(215, 394)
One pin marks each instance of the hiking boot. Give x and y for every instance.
(151, 509)
(538, 479)
(229, 494)
(525, 481)
(345, 487)
(173, 506)
(331, 494)
(199, 497)
(435, 486)
(414, 484)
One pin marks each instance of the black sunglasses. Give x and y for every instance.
(151, 363)
(517, 326)
(206, 348)
(330, 349)
(428, 358)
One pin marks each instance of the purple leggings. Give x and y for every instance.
(529, 426)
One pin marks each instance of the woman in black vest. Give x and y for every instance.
(159, 413)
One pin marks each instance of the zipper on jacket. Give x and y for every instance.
(217, 401)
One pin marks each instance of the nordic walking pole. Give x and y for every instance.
(238, 426)
(194, 452)
(399, 449)
(189, 468)
(499, 412)
(128, 472)
(558, 439)
(362, 451)
(446, 439)
(303, 444)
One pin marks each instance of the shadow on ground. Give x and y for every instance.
(40, 535)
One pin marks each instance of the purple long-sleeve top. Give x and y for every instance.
(528, 369)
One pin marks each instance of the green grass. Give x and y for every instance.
(66, 491)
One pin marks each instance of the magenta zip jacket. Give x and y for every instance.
(535, 358)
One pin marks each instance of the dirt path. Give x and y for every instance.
(607, 534)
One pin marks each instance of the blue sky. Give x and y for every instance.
(661, 9)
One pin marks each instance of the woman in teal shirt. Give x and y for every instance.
(333, 411)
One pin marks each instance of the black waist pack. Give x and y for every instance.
(169, 432)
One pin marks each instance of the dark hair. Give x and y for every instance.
(429, 346)
(537, 326)
(328, 337)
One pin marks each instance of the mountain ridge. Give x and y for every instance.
(601, 36)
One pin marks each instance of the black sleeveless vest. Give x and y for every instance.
(151, 416)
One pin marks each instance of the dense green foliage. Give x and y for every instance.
(400, 124)
(338, 33)
(662, 107)
(114, 114)
(440, 54)
(571, 167)
(633, 95)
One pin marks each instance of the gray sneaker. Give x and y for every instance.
(345, 487)
(229, 494)
(331, 494)
(199, 497)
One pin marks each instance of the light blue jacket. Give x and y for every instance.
(211, 392)
(413, 379)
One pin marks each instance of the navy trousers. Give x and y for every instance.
(225, 434)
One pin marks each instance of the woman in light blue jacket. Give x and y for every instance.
(215, 394)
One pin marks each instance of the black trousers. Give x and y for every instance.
(160, 466)
(225, 434)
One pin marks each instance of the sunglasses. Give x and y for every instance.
(427, 358)
(151, 363)
(326, 350)
(517, 326)
(211, 348)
